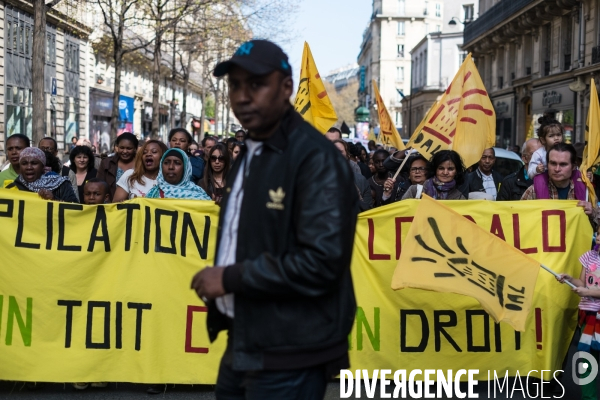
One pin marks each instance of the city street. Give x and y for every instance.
(55, 391)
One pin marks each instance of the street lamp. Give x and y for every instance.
(454, 20)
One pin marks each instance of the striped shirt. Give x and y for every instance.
(591, 263)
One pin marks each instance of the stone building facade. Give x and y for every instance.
(536, 57)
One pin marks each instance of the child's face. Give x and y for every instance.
(94, 193)
(553, 137)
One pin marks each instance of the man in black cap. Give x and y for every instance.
(281, 284)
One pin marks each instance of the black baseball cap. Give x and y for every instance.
(260, 57)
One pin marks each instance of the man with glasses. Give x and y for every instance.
(515, 184)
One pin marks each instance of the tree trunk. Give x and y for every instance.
(228, 110)
(186, 82)
(38, 64)
(203, 98)
(115, 115)
(217, 108)
(173, 77)
(223, 114)
(202, 113)
(155, 87)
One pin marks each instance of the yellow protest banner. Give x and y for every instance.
(443, 245)
(463, 120)
(388, 134)
(592, 141)
(102, 293)
(417, 329)
(312, 101)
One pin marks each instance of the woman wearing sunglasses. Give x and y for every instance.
(215, 172)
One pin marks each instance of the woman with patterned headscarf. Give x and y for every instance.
(32, 178)
(174, 178)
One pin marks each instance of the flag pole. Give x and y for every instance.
(404, 162)
(556, 275)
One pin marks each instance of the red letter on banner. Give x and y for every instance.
(372, 255)
(563, 231)
(399, 221)
(188, 330)
(517, 237)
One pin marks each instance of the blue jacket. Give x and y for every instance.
(197, 168)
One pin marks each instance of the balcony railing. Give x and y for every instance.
(492, 17)
(595, 55)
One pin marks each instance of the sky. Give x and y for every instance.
(333, 30)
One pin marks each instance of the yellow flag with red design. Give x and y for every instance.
(312, 101)
(446, 252)
(463, 120)
(592, 140)
(388, 134)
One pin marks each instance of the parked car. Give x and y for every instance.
(507, 161)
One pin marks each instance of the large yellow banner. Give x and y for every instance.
(92, 294)
(418, 329)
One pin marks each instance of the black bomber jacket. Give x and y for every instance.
(294, 298)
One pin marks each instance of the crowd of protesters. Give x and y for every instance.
(182, 168)
(445, 177)
(134, 168)
(185, 169)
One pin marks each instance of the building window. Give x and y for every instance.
(438, 10)
(426, 9)
(71, 118)
(438, 28)
(18, 111)
(547, 52)
(401, 50)
(400, 28)
(461, 57)
(567, 41)
(400, 74)
(398, 119)
(72, 112)
(401, 7)
(18, 43)
(469, 10)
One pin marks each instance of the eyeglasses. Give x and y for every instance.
(417, 169)
(215, 158)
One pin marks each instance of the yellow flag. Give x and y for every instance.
(388, 134)
(463, 120)
(372, 135)
(445, 252)
(592, 140)
(530, 131)
(312, 101)
(423, 121)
